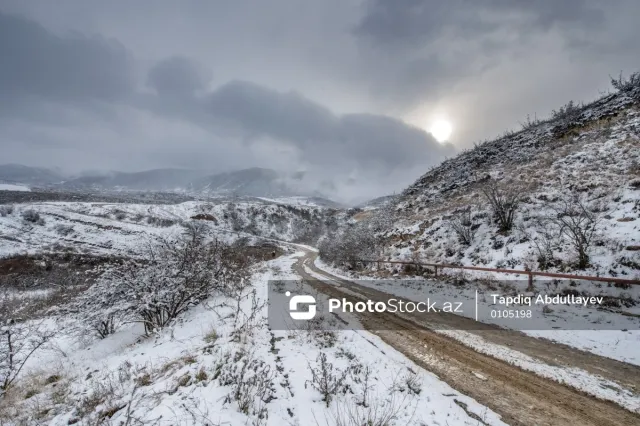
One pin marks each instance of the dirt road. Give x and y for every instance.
(521, 397)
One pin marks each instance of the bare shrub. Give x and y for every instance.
(18, 342)
(176, 275)
(326, 379)
(568, 112)
(576, 223)
(6, 210)
(531, 122)
(63, 230)
(462, 224)
(252, 384)
(543, 242)
(119, 215)
(628, 84)
(503, 202)
(105, 326)
(32, 216)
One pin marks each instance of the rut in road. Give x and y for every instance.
(521, 397)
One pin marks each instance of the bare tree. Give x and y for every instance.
(462, 224)
(577, 224)
(504, 203)
(18, 342)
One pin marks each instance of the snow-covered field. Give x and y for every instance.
(200, 372)
(123, 229)
(12, 187)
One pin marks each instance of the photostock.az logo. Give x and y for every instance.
(299, 300)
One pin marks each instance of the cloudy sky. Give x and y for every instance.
(345, 90)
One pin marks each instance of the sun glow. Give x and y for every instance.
(441, 130)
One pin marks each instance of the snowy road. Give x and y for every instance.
(519, 393)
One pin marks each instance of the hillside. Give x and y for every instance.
(571, 184)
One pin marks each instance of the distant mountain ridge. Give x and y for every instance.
(18, 173)
(251, 182)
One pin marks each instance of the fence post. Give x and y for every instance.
(530, 287)
(435, 271)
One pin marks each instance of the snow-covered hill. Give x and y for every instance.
(580, 169)
(122, 229)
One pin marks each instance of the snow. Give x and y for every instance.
(624, 346)
(123, 229)
(12, 187)
(180, 351)
(620, 338)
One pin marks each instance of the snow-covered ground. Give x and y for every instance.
(12, 187)
(122, 229)
(603, 332)
(621, 345)
(194, 373)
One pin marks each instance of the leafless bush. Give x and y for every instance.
(105, 326)
(32, 216)
(462, 224)
(252, 383)
(160, 221)
(245, 321)
(63, 230)
(568, 112)
(6, 210)
(176, 275)
(531, 122)
(543, 242)
(382, 411)
(18, 342)
(326, 379)
(577, 224)
(503, 202)
(628, 84)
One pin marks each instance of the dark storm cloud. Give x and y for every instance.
(422, 48)
(317, 86)
(318, 134)
(410, 22)
(178, 75)
(40, 64)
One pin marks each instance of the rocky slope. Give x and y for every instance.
(580, 167)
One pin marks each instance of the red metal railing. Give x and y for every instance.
(529, 274)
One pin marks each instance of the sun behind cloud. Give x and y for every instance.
(441, 130)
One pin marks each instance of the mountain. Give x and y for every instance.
(256, 182)
(561, 194)
(150, 180)
(252, 182)
(17, 173)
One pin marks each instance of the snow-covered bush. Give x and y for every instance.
(18, 342)
(577, 223)
(174, 276)
(327, 379)
(32, 216)
(6, 210)
(626, 84)
(462, 224)
(63, 229)
(252, 384)
(503, 202)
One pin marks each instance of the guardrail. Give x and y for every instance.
(529, 274)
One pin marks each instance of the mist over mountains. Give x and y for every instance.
(253, 182)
